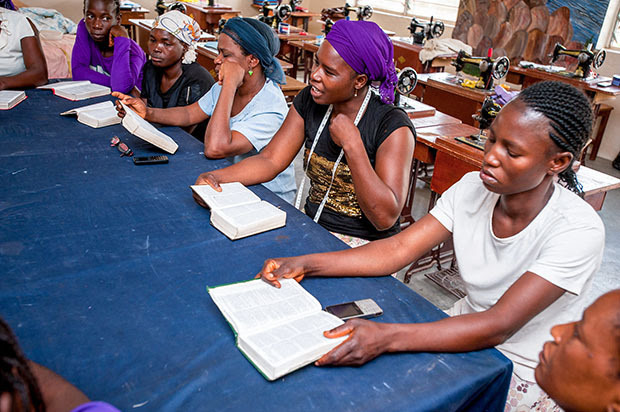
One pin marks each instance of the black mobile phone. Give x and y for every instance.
(150, 160)
(365, 308)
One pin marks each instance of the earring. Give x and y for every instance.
(355, 94)
(250, 72)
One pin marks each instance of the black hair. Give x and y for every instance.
(117, 4)
(16, 377)
(570, 114)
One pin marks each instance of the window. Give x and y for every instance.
(445, 10)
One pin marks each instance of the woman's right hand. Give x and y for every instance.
(207, 178)
(282, 268)
(230, 73)
(134, 103)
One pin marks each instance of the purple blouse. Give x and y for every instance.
(121, 71)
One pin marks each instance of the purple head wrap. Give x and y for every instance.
(368, 50)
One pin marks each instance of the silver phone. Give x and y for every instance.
(365, 308)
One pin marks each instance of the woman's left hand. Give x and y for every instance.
(366, 341)
(117, 31)
(343, 130)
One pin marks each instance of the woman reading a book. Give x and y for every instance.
(245, 108)
(172, 78)
(358, 146)
(526, 246)
(103, 52)
(22, 63)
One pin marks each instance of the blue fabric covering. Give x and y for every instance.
(103, 270)
(256, 38)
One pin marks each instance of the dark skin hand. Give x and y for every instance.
(34, 60)
(520, 164)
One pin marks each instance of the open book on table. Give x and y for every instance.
(11, 98)
(278, 330)
(237, 212)
(146, 131)
(95, 115)
(77, 90)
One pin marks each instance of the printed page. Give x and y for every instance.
(67, 83)
(592, 179)
(80, 90)
(284, 348)
(100, 117)
(97, 106)
(249, 216)
(232, 194)
(253, 305)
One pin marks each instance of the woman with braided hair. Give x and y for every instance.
(26, 386)
(526, 246)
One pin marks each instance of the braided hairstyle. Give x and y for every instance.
(117, 4)
(570, 115)
(16, 377)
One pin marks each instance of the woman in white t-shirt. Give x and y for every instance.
(22, 63)
(526, 246)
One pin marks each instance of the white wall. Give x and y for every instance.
(611, 139)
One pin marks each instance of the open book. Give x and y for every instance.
(278, 330)
(77, 90)
(237, 212)
(146, 131)
(11, 98)
(95, 115)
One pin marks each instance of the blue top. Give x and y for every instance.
(258, 122)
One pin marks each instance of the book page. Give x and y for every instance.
(243, 216)
(105, 106)
(592, 179)
(232, 194)
(100, 117)
(253, 305)
(51, 86)
(81, 90)
(146, 131)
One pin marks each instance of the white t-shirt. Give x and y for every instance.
(563, 245)
(259, 121)
(13, 28)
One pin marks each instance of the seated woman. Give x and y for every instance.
(245, 108)
(103, 52)
(26, 386)
(580, 368)
(526, 246)
(358, 147)
(22, 63)
(172, 78)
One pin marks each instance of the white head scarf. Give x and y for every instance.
(183, 28)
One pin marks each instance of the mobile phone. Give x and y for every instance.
(365, 308)
(604, 84)
(150, 160)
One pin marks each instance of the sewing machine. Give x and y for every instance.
(421, 32)
(295, 5)
(280, 13)
(162, 7)
(585, 59)
(407, 80)
(328, 26)
(362, 12)
(489, 68)
(485, 117)
(220, 25)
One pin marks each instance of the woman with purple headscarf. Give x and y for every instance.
(358, 146)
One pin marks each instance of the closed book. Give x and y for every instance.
(278, 330)
(95, 115)
(11, 98)
(147, 132)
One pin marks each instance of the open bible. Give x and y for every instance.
(11, 98)
(237, 212)
(95, 115)
(146, 131)
(77, 89)
(278, 330)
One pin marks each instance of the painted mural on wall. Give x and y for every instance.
(528, 29)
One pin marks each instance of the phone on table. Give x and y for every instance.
(150, 160)
(365, 308)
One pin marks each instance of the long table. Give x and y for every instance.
(104, 266)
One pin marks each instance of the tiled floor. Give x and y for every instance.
(607, 278)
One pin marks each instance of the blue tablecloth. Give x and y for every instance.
(103, 270)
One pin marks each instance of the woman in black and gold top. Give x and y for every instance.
(343, 125)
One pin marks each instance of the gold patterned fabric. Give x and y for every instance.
(342, 198)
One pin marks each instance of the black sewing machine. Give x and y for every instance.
(220, 25)
(489, 68)
(280, 13)
(362, 12)
(295, 5)
(328, 26)
(585, 59)
(420, 32)
(485, 117)
(407, 80)
(162, 7)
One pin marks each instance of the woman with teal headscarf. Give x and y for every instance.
(245, 108)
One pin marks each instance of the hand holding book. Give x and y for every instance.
(282, 268)
(134, 103)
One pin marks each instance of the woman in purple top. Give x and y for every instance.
(103, 52)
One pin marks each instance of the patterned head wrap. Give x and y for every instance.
(183, 28)
(368, 50)
(257, 39)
